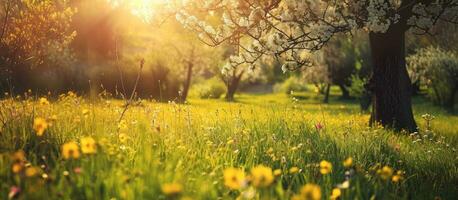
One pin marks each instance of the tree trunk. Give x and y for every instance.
(415, 88)
(451, 100)
(390, 82)
(187, 83)
(326, 93)
(232, 85)
(345, 93)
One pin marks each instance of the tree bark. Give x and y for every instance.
(451, 100)
(187, 83)
(232, 85)
(326, 93)
(390, 82)
(345, 93)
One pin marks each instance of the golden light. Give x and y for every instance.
(145, 9)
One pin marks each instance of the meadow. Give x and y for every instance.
(272, 146)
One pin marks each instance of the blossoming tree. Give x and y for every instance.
(291, 29)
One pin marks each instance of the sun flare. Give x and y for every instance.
(145, 9)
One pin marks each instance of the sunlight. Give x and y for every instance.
(144, 9)
(228, 99)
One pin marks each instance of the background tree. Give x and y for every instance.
(285, 28)
(34, 35)
(334, 65)
(438, 70)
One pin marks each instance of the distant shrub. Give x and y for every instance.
(292, 84)
(358, 90)
(210, 89)
(438, 70)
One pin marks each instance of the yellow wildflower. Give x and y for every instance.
(16, 168)
(348, 162)
(172, 189)
(70, 150)
(397, 177)
(270, 150)
(325, 167)
(85, 112)
(18, 156)
(335, 193)
(39, 125)
(53, 118)
(385, 173)
(234, 178)
(261, 176)
(32, 171)
(88, 145)
(310, 192)
(293, 170)
(43, 101)
(122, 125)
(277, 172)
(122, 137)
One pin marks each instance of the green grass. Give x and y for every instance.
(192, 144)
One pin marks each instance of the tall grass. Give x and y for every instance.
(190, 146)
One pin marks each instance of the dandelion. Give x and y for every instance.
(122, 125)
(325, 167)
(229, 142)
(39, 125)
(123, 137)
(293, 170)
(277, 172)
(53, 118)
(335, 193)
(43, 101)
(309, 192)
(70, 150)
(234, 178)
(385, 173)
(397, 177)
(171, 189)
(88, 145)
(18, 159)
(348, 162)
(18, 156)
(261, 176)
(270, 150)
(32, 171)
(85, 112)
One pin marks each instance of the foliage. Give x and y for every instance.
(33, 29)
(438, 70)
(357, 86)
(210, 89)
(35, 38)
(207, 150)
(358, 89)
(286, 29)
(334, 64)
(290, 85)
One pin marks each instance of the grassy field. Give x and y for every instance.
(260, 147)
